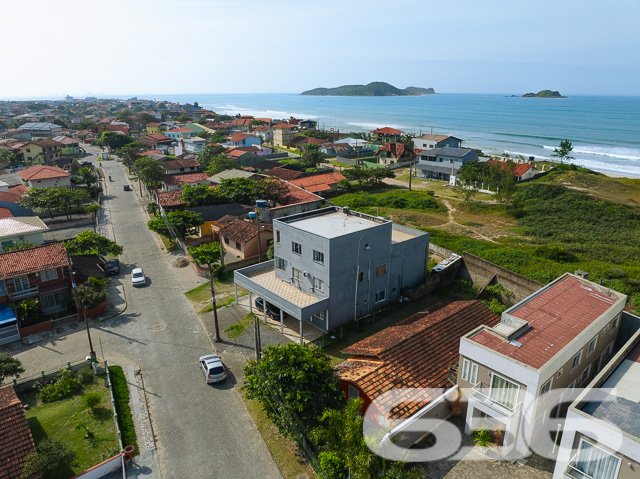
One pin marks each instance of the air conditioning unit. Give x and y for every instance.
(305, 274)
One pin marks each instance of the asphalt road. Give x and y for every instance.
(202, 431)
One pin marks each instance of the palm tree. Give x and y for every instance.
(9, 157)
(87, 177)
(562, 152)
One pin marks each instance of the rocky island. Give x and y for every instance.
(544, 94)
(372, 89)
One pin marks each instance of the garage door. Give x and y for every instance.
(9, 331)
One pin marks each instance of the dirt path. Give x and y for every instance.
(451, 210)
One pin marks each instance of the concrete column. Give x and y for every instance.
(250, 303)
(301, 342)
(264, 312)
(235, 291)
(281, 322)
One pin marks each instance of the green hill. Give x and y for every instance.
(372, 89)
(544, 94)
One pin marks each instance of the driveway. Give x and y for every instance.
(202, 431)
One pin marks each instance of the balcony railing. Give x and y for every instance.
(23, 293)
(482, 394)
(572, 471)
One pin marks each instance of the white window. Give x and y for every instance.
(559, 373)
(544, 390)
(318, 284)
(473, 376)
(280, 263)
(594, 462)
(610, 348)
(49, 275)
(614, 325)
(585, 375)
(296, 247)
(318, 257)
(465, 370)
(54, 301)
(576, 361)
(381, 295)
(363, 276)
(504, 391)
(21, 283)
(592, 346)
(297, 274)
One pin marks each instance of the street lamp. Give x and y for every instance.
(80, 305)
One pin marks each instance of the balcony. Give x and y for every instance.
(23, 293)
(482, 394)
(572, 471)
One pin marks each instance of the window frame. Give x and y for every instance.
(381, 267)
(296, 273)
(295, 250)
(582, 376)
(22, 277)
(277, 237)
(473, 373)
(559, 373)
(319, 253)
(494, 375)
(615, 323)
(320, 286)
(363, 276)
(542, 394)
(609, 349)
(278, 262)
(616, 473)
(590, 350)
(49, 274)
(382, 293)
(575, 365)
(465, 375)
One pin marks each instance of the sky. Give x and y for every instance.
(155, 47)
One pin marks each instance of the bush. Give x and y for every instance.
(400, 199)
(51, 460)
(85, 374)
(92, 400)
(64, 385)
(121, 396)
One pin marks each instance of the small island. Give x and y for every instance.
(544, 94)
(372, 89)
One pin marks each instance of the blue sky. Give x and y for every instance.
(208, 46)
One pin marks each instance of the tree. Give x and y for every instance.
(298, 378)
(9, 157)
(379, 174)
(311, 155)
(562, 152)
(93, 292)
(89, 242)
(209, 153)
(18, 246)
(220, 163)
(271, 189)
(198, 195)
(507, 187)
(129, 153)
(94, 209)
(113, 140)
(50, 461)
(237, 190)
(357, 173)
(206, 254)
(29, 311)
(150, 172)
(86, 177)
(56, 198)
(9, 367)
(466, 180)
(181, 222)
(184, 118)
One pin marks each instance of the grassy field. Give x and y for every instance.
(64, 420)
(200, 296)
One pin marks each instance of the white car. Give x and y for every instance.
(138, 278)
(213, 369)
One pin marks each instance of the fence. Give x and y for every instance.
(174, 234)
(31, 382)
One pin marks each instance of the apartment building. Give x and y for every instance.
(556, 338)
(334, 265)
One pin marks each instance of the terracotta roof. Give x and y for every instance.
(556, 315)
(154, 124)
(242, 231)
(47, 143)
(298, 195)
(388, 131)
(5, 213)
(227, 218)
(18, 190)
(236, 153)
(182, 130)
(177, 164)
(310, 183)
(171, 198)
(284, 173)
(519, 169)
(397, 150)
(262, 128)
(173, 180)
(415, 353)
(158, 136)
(244, 121)
(151, 152)
(282, 126)
(32, 260)
(11, 197)
(237, 137)
(15, 436)
(42, 172)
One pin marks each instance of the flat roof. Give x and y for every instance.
(334, 224)
(555, 315)
(267, 279)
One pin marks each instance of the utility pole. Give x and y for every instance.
(216, 339)
(79, 307)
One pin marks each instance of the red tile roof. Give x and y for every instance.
(556, 315)
(244, 121)
(242, 231)
(18, 190)
(237, 137)
(298, 195)
(519, 169)
(11, 197)
(47, 143)
(387, 131)
(15, 437)
(262, 128)
(284, 173)
(313, 183)
(42, 172)
(415, 353)
(186, 179)
(397, 150)
(151, 152)
(5, 213)
(158, 136)
(181, 130)
(177, 164)
(171, 198)
(282, 126)
(154, 124)
(32, 260)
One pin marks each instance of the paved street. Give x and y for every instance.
(202, 431)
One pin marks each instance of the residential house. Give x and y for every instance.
(334, 265)
(283, 134)
(415, 353)
(320, 184)
(241, 238)
(119, 127)
(21, 229)
(386, 135)
(41, 151)
(41, 272)
(601, 434)
(395, 155)
(242, 124)
(237, 139)
(521, 171)
(557, 338)
(211, 215)
(284, 173)
(429, 141)
(157, 141)
(41, 130)
(44, 176)
(178, 182)
(243, 157)
(264, 132)
(155, 128)
(443, 163)
(70, 146)
(308, 124)
(174, 167)
(180, 133)
(193, 145)
(16, 442)
(171, 200)
(233, 173)
(297, 201)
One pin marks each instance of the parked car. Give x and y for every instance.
(126, 187)
(213, 369)
(138, 278)
(272, 310)
(113, 266)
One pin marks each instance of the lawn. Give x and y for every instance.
(200, 296)
(65, 420)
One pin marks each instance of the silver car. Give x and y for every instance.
(213, 369)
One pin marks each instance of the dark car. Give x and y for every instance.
(113, 266)
(272, 310)
(126, 187)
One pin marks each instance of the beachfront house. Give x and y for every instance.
(386, 135)
(442, 163)
(395, 155)
(429, 141)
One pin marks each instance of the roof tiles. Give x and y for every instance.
(32, 260)
(15, 437)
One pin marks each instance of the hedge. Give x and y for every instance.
(121, 396)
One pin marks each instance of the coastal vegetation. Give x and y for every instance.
(371, 89)
(544, 94)
(368, 201)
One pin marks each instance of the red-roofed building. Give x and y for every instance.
(555, 339)
(320, 184)
(180, 133)
(386, 134)
(5, 213)
(520, 171)
(16, 442)
(395, 153)
(284, 173)
(45, 176)
(238, 139)
(240, 238)
(283, 134)
(121, 128)
(170, 200)
(177, 182)
(186, 165)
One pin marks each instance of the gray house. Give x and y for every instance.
(441, 163)
(334, 265)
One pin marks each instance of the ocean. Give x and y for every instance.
(604, 130)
